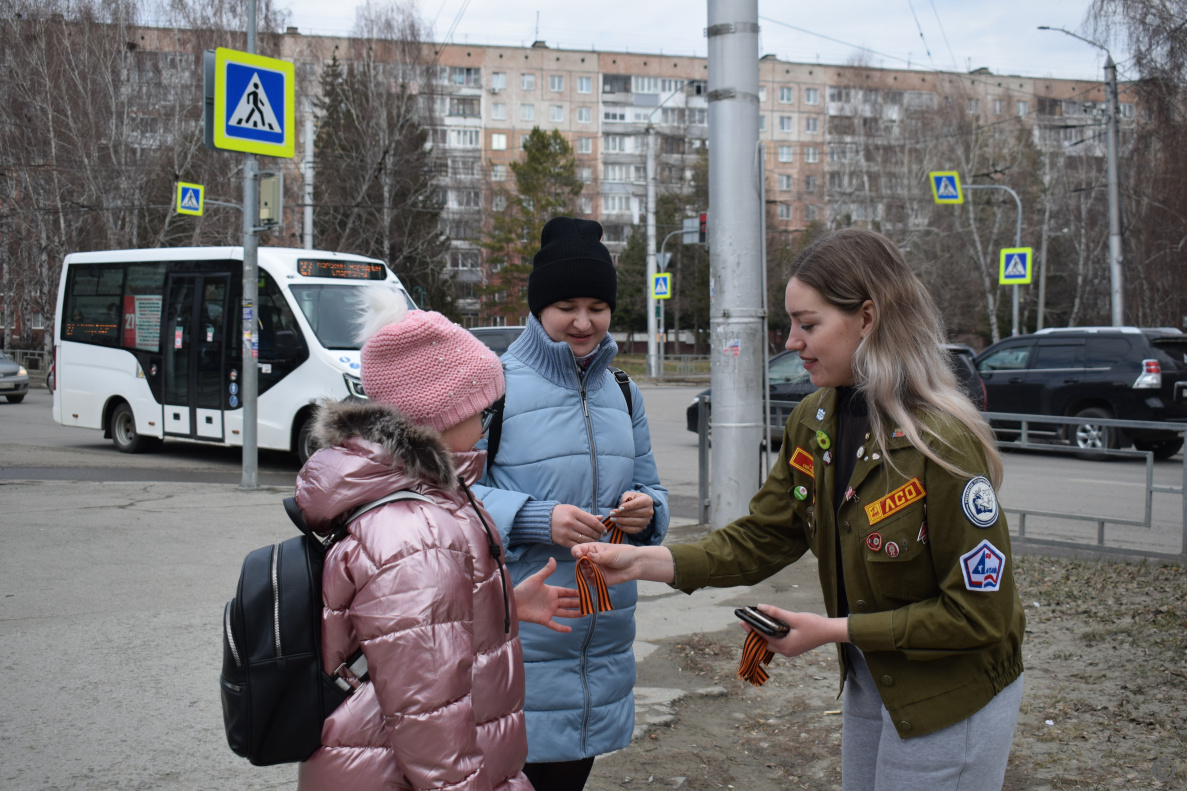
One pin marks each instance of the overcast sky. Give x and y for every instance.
(949, 35)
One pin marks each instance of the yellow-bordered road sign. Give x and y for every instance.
(1016, 266)
(945, 186)
(254, 104)
(661, 286)
(190, 198)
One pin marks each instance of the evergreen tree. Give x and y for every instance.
(546, 186)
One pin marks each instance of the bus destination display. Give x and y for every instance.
(346, 270)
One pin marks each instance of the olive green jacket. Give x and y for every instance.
(926, 558)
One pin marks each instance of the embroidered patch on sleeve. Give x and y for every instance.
(982, 567)
(979, 503)
(900, 498)
(802, 461)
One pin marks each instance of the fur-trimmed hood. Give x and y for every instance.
(417, 450)
(370, 450)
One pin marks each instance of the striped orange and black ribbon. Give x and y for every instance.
(585, 597)
(755, 654)
(616, 534)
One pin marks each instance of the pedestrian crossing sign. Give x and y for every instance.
(661, 286)
(254, 104)
(1016, 269)
(190, 198)
(945, 186)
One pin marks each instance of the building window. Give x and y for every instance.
(1126, 112)
(615, 143)
(646, 84)
(672, 115)
(523, 142)
(584, 85)
(556, 112)
(527, 82)
(786, 95)
(998, 106)
(615, 114)
(784, 211)
(556, 83)
(498, 111)
(37, 321)
(762, 95)
(462, 75)
(463, 199)
(498, 80)
(974, 106)
(811, 213)
(585, 206)
(499, 172)
(1022, 108)
(585, 174)
(786, 153)
(465, 259)
(762, 123)
(498, 202)
(527, 112)
(585, 145)
(811, 155)
(466, 108)
(786, 123)
(643, 116)
(784, 181)
(811, 183)
(670, 86)
(812, 125)
(584, 115)
(640, 174)
(616, 172)
(464, 138)
(698, 116)
(811, 96)
(463, 168)
(616, 203)
(498, 142)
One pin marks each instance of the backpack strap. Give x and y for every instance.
(290, 508)
(624, 383)
(403, 494)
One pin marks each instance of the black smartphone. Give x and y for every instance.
(771, 627)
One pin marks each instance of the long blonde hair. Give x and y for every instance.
(899, 366)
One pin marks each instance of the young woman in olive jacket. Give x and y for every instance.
(888, 474)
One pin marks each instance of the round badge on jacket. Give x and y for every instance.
(979, 502)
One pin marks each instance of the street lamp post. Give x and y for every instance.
(1116, 284)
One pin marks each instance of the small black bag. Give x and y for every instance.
(275, 695)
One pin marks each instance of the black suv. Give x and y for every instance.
(1128, 373)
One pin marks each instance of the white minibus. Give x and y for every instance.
(147, 343)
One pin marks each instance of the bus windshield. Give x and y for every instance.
(332, 312)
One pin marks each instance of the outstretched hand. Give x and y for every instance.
(541, 603)
(623, 562)
(808, 631)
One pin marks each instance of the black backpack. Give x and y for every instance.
(275, 695)
(495, 432)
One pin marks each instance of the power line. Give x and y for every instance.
(945, 35)
(919, 27)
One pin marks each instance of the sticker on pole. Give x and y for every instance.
(661, 286)
(945, 186)
(189, 198)
(254, 104)
(1016, 269)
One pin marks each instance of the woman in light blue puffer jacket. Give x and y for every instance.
(571, 452)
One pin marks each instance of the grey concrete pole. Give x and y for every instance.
(652, 318)
(1115, 275)
(735, 296)
(308, 174)
(249, 380)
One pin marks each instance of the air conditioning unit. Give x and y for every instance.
(494, 90)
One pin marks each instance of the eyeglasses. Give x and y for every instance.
(488, 414)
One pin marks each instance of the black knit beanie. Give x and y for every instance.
(572, 262)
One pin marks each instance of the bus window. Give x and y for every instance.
(332, 312)
(143, 301)
(282, 347)
(92, 309)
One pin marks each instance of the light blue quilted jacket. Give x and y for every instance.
(568, 438)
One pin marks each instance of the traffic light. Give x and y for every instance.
(703, 234)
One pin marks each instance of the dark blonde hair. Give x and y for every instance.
(899, 366)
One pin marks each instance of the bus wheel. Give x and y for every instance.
(306, 445)
(124, 434)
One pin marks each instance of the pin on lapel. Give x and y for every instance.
(820, 413)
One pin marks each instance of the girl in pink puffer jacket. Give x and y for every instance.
(419, 585)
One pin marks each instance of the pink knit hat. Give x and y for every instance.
(434, 371)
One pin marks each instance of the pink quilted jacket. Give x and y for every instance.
(416, 586)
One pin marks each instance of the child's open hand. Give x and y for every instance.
(539, 603)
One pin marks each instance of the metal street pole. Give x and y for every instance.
(1115, 283)
(652, 318)
(1116, 276)
(662, 266)
(249, 385)
(735, 287)
(1017, 238)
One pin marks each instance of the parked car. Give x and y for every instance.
(790, 382)
(14, 380)
(497, 338)
(1128, 373)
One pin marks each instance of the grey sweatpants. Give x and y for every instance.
(968, 756)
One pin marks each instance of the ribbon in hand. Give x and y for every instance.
(585, 597)
(755, 654)
(616, 534)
